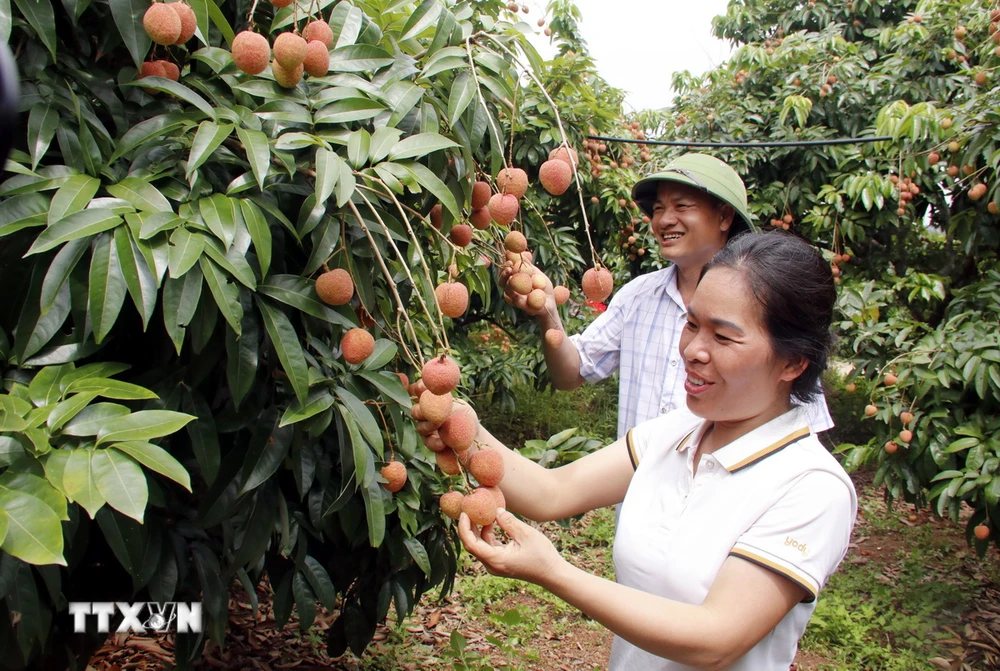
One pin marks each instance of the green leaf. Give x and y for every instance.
(63, 264)
(107, 287)
(427, 179)
(176, 89)
(121, 482)
(364, 462)
(462, 92)
(319, 580)
(42, 123)
(417, 146)
(319, 400)
(209, 137)
(74, 226)
(258, 153)
(151, 224)
(358, 145)
(422, 18)
(286, 344)
(180, 301)
(267, 450)
(88, 422)
(385, 351)
(148, 130)
(78, 481)
(39, 15)
(128, 18)
(374, 513)
(358, 58)
(123, 391)
(363, 417)
(139, 278)
(44, 387)
(419, 554)
(383, 140)
(305, 601)
(34, 532)
(40, 488)
(143, 425)
(124, 537)
(68, 409)
(242, 358)
(143, 195)
(260, 233)
(327, 173)
(225, 293)
(185, 250)
(74, 195)
(204, 434)
(219, 215)
(389, 385)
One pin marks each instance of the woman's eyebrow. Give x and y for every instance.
(720, 322)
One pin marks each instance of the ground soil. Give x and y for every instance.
(563, 641)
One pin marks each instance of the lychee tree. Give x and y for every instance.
(910, 225)
(174, 194)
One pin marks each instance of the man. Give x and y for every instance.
(695, 206)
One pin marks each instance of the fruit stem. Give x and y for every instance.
(562, 132)
(482, 100)
(416, 246)
(441, 337)
(253, 8)
(555, 247)
(388, 277)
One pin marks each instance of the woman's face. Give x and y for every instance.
(732, 372)
(689, 224)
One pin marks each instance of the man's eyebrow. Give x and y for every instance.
(720, 322)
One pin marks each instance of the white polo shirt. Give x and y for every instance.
(774, 497)
(639, 336)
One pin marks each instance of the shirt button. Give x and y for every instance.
(663, 411)
(710, 464)
(673, 363)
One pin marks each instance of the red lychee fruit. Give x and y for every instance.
(290, 50)
(288, 79)
(318, 30)
(251, 52)
(513, 181)
(395, 474)
(480, 195)
(436, 408)
(152, 69)
(440, 374)
(566, 154)
(536, 299)
(480, 218)
(503, 208)
(461, 234)
(555, 176)
(281, 3)
(515, 242)
(561, 294)
(453, 297)
(459, 430)
(162, 23)
(170, 70)
(357, 345)
(189, 22)
(487, 467)
(497, 494)
(335, 287)
(554, 338)
(447, 461)
(520, 283)
(597, 284)
(317, 60)
(451, 504)
(481, 507)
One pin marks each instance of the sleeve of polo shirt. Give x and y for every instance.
(805, 534)
(600, 343)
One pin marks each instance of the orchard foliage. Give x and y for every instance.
(919, 294)
(169, 371)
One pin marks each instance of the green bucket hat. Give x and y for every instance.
(702, 172)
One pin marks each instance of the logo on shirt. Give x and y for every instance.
(801, 547)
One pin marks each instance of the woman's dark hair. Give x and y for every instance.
(795, 287)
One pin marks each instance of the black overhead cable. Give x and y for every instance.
(800, 143)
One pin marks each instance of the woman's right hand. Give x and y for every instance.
(527, 555)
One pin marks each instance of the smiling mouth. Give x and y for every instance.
(696, 381)
(671, 237)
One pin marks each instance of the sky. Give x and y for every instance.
(639, 44)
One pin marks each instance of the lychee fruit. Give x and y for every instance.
(536, 299)
(982, 532)
(906, 436)
(513, 181)
(436, 214)
(461, 234)
(539, 281)
(170, 70)
(459, 430)
(251, 52)
(189, 22)
(451, 504)
(977, 192)
(357, 345)
(318, 30)
(562, 294)
(436, 408)
(335, 287)
(520, 283)
(453, 297)
(871, 410)
(440, 374)
(554, 338)
(481, 507)
(447, 461)
(516, 242)
(890, 379)
(555, 176)
(395, 474)
(152, 69)
(566, 154)
(290, 50)
(317, 60)
(497, 494)
(480, 195)
(162, 23)
(288, 79)
(906, 417)
(487, 467)
(480, 218)
(503, 208)
(281, 3)
(597, 284)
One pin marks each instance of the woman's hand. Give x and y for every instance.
(527, 555)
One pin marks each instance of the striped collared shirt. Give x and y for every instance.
(639, 336)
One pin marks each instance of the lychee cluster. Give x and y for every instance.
(784, 223)
(631, 244)
(169, 23)
(600, 157)
(293, 54)
(523, 278)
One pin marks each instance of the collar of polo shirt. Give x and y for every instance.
(746, 450)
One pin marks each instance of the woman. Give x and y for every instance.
(734, 515)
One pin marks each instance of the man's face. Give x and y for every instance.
(690, 225)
